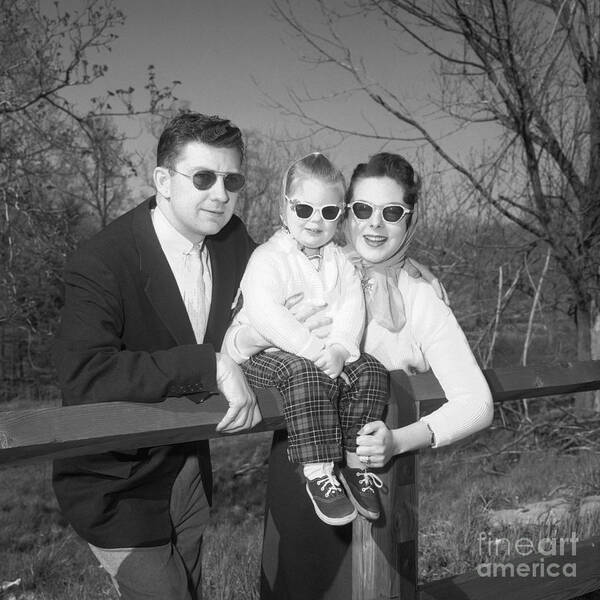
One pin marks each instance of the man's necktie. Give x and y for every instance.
(194, 294)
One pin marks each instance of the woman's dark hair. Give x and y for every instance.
(196, 127)
(394, 166)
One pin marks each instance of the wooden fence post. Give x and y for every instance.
(384, 553)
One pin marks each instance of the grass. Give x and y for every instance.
(231, 554)
(458, 486)
(457, 493)
(36, 544)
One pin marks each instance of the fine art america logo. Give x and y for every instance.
(502, 557)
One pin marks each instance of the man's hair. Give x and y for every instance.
(313, 166)
(394, 166)
(195, 127)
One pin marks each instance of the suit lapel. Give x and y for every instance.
(222, 292)
(160, 285)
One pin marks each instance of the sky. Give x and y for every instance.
(214, 47)
(230, 54)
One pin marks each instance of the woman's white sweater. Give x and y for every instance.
(433, 339)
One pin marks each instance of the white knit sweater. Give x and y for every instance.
(277, 270)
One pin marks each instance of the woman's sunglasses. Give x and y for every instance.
(391, 213)
(205, 179)
(304, 211)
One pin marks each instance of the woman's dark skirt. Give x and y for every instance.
(303, 558)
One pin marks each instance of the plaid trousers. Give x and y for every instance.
(323, 415)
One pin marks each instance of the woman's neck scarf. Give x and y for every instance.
(383, 299)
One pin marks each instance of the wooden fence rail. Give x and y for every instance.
(384, 553)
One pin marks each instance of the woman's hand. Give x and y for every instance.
(417, 270)
(309, 314)
(375, 442)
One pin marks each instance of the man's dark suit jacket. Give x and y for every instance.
(125, 336)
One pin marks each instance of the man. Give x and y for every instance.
(147, 302)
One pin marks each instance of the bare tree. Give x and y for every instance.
(56, 159)
(44, 56)
(526, 69)
(96, 176)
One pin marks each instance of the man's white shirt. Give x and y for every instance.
(190, 265)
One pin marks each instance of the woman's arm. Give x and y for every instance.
(469, 407)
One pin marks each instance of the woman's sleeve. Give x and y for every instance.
(348, 322)
(469, 407)
(263, 292)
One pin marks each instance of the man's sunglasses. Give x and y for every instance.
(391, 213)
(304, 211)
(205, 179)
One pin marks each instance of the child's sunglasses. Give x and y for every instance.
(205, 179)
(304, 211)
(391, 213)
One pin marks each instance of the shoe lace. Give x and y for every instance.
(367, 480)
(329, 485)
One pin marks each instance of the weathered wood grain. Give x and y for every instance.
(512, 383)
(48, 433)
(384, 553)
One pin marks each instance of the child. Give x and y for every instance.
(329, 389)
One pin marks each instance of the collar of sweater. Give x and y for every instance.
(285, 242)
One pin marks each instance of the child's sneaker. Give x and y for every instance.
(331, 503)
(361, 487)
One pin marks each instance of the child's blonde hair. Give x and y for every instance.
(314, 165)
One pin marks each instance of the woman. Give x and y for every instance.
(408, 328)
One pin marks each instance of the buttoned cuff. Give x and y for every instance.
(195, 371)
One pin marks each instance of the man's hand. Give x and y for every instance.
(243, 410)
(332, 360)
(309, 314)
(417, 270)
